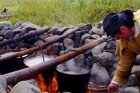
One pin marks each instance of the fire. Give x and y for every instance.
(50, 87)
(50, 84)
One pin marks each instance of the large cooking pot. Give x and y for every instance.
(73, 80)
(12, 64)
(33, 60)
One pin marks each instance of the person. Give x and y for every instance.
(125, 27)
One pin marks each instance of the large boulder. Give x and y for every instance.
(3, 82)
(25, 87)
(99, 75)
(105, 59)
(5, 25)
(3, 85)
(130, 90)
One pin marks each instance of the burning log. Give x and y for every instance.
(26, 36)
(36, 48)
(32, 72)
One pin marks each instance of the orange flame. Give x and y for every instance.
(51, 87)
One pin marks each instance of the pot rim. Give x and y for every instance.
(60, 70)
(27, 59)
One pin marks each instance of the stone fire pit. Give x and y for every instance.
(101, 59)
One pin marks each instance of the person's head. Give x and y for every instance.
(119, 25)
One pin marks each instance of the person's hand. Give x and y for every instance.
(113, 87)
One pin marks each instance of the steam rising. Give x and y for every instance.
(70, 67)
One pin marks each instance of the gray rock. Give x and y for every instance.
(3, 82)
(60, 31)
(135, 69)
(61, 46)
(137, 61)
(133, 81)
(88, 52)
(77, 38)
(105, 59)
(9, 34)
(97, 31)
(115, 65)
(30, 27)
(18, 24)
(38, 42)
(48, 38)
(87, 40)
(85, 36)
(53, 49)
(17, 31)
(55, 28)
(86, 27)
(130, 90)
(111, 44)
(94, 36)
(99, 24)
(62, 52)
(99, 75)
(71, 36)
(1, 38)
(68, 43)
(98, 49)
(2, 90)
(27, 26)
(6, 25)
(32, 81)
(89, 60)
(25, 87)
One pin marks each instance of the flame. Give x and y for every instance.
(51, 86)
(41, 82)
